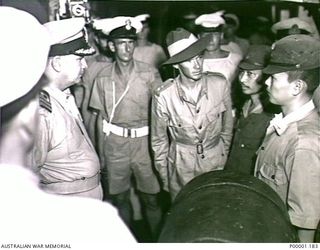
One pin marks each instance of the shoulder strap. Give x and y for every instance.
(44, 100)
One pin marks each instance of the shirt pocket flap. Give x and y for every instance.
(216, 112)
(273, 174)
(179, 123)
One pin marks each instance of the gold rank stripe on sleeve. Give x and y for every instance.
(44, 100)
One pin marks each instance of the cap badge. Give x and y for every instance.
(128, 24)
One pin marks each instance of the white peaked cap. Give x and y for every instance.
(107, 25)
(212, 20)
(142, 17)
(63, 31)
(24, 47)
(288, 23)
(69, 36)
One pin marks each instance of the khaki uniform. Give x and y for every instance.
(289, 162)
(63, 154)
(200, 132)
(123, 154)
(82, 92)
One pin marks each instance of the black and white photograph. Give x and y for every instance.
(130, 122)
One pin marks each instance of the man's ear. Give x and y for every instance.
(298, 86)
(56, 63)
(111, 46)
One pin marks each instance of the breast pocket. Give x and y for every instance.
(180, 128)
(274, 174)
(216, 112)
(214, 119)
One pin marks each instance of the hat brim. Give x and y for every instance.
(191, 51)
(119, 36)
(249, 66)
(274, 69)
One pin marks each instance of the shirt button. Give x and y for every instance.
(273, 177)
(200, 141)
(179, 125)
(262, 148)
(222, 154)
(218, 115)
(242, 146)
(198, 110)
(200, 127)
(202, 156)
(83, 178)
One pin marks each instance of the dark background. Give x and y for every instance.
(167, 15)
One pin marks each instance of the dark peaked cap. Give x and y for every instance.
(257, 57)
(295, 52)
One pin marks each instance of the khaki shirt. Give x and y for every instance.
(63, 151)
(290, 164)
(133, 109)
(82, 91)
(200, 132)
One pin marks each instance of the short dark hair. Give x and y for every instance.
(310, 76)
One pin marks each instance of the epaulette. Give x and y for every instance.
(164, 86)
(44, 100)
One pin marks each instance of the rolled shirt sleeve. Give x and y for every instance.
(97, 96)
